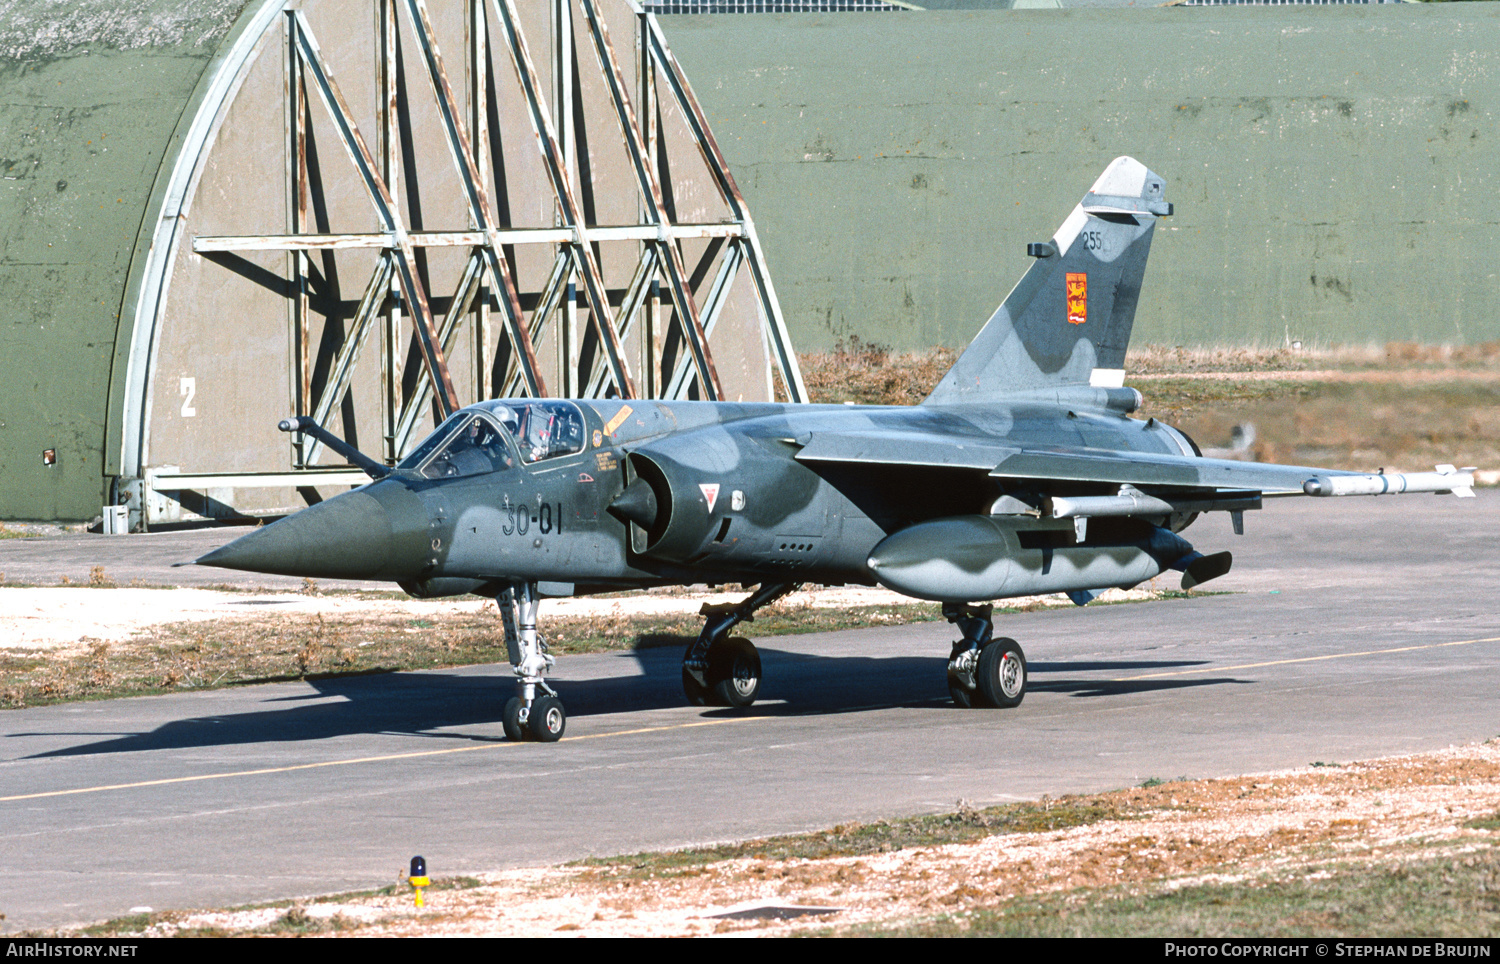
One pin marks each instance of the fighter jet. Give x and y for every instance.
(1022, 473)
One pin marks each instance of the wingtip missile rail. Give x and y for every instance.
(1444, 480)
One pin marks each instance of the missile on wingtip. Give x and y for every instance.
(1445, 479)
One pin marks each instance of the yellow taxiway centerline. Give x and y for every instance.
(364, 759)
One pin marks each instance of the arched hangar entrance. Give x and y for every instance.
(381, 211)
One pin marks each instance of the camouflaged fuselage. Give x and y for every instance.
(742, 505)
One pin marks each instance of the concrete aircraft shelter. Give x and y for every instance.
(1331, 168)
(369, 212)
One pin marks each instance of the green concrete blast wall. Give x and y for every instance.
(1332, 167)
(91, 93)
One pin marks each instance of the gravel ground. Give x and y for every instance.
(1268, 826)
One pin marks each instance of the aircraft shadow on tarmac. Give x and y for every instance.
(434, 704)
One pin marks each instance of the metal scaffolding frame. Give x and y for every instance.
(395, 298)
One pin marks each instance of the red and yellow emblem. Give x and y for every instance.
(1078, 297)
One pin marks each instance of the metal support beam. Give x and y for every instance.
(463, 298)
(729, 267)
(476, 28)
(392, 360)
(668, 253)
(475, 195)
(781, 340)
(630, 308)
(557, 170)
(296, 206)
(348, 356)
(558, 286)
(205, 244)
(385, 208)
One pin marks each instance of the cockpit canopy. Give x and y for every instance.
(546, 429)
(479, 442)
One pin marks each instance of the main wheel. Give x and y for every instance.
(515, 732)
(1002, 674)
(734, 672)
(547, 720)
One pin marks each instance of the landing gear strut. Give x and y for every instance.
(723, 670)
(535, 712)
(983, 671)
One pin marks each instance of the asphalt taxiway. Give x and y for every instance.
(1353, 628)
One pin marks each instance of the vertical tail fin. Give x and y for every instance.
(1068, 321)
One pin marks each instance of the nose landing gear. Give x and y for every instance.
(536, 712)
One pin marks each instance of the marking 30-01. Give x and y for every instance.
(519, 519)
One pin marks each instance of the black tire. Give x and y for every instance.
(697, 694)
(963, 698)
(1002, 674)
(511, 720)
(734, 672)
(547, 720)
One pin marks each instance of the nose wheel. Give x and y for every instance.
(543, 721)
(547, 720)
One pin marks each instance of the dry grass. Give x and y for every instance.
(867, 374)
(1165, 359)
(1345, 425)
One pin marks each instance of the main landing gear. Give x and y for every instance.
(983, 671)
(723, 670)
(535, 712)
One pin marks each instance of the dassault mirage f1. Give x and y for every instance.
(1021, 473)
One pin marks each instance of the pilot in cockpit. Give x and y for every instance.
(535, 435)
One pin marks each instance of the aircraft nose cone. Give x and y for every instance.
(351, 536)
